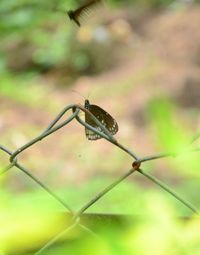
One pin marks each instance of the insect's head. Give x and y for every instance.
(87, 103)
(70, 14)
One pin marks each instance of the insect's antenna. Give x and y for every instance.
(89, 94)
(78, 93)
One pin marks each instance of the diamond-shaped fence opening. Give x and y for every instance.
(97, 127)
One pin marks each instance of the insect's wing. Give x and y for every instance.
(105, 118)
(85, 10)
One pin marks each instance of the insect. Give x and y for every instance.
(105, 118)
(82, 11)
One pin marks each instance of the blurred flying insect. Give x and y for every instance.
(84, 11)
(104, 117)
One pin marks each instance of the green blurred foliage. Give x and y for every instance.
(27, 227)
(169, 130)
(173, 134)
(36, 39)
(38, 36)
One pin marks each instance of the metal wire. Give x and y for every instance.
(52, 128)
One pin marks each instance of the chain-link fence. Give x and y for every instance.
(136, 166)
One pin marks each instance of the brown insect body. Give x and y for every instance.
(81, 11)
(104, 117)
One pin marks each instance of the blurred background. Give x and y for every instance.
(138, 60)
